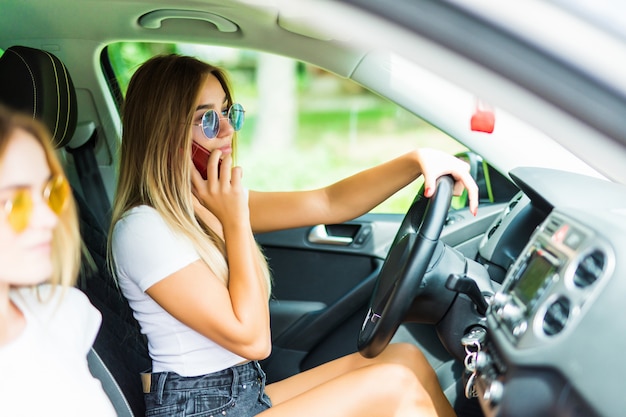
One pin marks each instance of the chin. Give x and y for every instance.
(35, 276)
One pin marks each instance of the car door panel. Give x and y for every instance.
(322, 287)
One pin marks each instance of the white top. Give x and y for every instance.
(44, 371)
(146, 250)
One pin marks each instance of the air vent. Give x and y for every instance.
(505, 213)
(515, 200)
(590, 269)
(494, 228)
(556, 316)
(552, 226)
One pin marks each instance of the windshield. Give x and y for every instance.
(511, 144)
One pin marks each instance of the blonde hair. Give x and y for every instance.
(66, 243)
(155, 161)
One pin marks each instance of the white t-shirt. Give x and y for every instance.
(146, 250)
(44, 371)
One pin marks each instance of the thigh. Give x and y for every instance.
(402, 353)
(357, 393)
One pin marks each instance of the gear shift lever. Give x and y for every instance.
(465, 285)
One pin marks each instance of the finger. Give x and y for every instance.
(472, 192)
(430, 185)
(459, 186)
(213, 166)
(225, 169)
(196, 179)
(463, 179)
(236, 176)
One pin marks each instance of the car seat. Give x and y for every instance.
(37, 82)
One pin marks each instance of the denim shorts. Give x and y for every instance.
(238, 391)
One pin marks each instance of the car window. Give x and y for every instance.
(305, 127)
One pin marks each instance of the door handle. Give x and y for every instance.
(320, 236)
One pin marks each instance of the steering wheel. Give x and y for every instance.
(401, 278)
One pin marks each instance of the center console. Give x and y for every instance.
(543, 295)
(550, 282)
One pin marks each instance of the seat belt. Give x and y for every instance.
(89, 175)
(99, 370)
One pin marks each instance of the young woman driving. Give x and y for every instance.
(185, 256)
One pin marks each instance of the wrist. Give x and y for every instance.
(237, 225)
(416, 162)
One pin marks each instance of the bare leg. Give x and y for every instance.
(404, 354)
(378, 390)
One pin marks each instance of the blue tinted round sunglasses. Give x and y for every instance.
(210, 122)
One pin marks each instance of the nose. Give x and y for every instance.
(225, 127)
(42, 215)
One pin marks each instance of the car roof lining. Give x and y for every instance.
(264, 28)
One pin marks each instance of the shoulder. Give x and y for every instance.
(140, 225)
(65, 313)
(145, 225)
(47, 298)
(145, 248)
(77, 313)
(140, 216)
(142, 221)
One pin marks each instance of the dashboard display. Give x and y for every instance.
(533, 276)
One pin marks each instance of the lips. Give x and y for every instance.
(42, 244)
(226, 149)
(44, 248)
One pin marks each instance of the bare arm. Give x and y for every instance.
(236, 315)
(359, 193)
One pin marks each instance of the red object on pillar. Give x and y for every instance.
(483, 119)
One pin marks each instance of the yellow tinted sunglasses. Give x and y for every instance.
(19, 208)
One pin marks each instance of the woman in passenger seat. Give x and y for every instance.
(46, 327)
(184, 254)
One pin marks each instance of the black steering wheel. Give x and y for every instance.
(400, 280)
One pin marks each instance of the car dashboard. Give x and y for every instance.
(553, 337)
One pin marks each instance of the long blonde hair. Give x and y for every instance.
(66, 241)
(155, 161)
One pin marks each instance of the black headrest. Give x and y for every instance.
(36, 82)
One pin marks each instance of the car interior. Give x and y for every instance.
(517, 308)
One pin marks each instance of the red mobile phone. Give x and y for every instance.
(200, 157)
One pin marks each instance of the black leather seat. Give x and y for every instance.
(37, 82)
